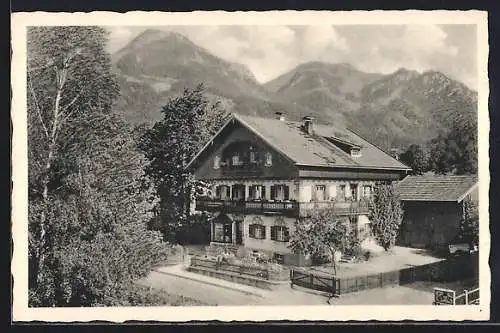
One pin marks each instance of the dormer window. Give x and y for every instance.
(355, 152)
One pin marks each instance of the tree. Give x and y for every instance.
(88, 198)
(323, 231)
(386, 215)
(415, 158)
(468, 231)
(456, 151)
(188, 122)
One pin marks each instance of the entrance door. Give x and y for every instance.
(228, 233)
(239, 233)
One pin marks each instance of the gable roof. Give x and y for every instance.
(436, 187)
(288, 138)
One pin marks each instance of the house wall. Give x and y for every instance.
(431, 225)
(270, 247)
(266, 244)
(293, 188)
(307, 187)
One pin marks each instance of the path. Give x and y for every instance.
(203, 292)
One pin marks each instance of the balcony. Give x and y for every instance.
(289, 208)
(248, 207)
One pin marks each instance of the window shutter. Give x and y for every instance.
(287, 234)
(251, 230)
(228, 191)
(263, 193)
(287, 192)
(263, 231)
(217, 191)
(273, 232)
(273, 192)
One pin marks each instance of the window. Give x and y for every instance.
(223, 192)
(320, 192)
(355, 152)
(216, 162)
(341, 193)
(222, 232)
(236, 161)
(238, 192)
(269, 160)
(280, 192)
(367, 191)
(253, 155)
(280, 233)
(354, 191)
(257, 192)
(257, 231)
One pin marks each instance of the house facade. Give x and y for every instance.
(265, 173)
(433, 206)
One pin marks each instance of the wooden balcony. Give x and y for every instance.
(288, 208)
(248, 207)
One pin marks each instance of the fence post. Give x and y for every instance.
(311, 279)
(291, 278)
(466, 297)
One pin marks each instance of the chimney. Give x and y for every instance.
(308, 125)
(280, 116)
(395, 153)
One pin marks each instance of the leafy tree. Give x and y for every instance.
(386, 215)
(88, 198)
(469, 223)
(415, 158)
(323, 231)
(456, 151)
(188, 122)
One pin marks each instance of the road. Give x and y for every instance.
(206, 293)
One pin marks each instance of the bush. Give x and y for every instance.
(136, 295)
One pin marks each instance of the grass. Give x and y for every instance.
(144, 296)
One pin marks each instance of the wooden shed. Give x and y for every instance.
(433, 207)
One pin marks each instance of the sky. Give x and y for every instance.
(269, 51)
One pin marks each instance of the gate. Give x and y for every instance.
(315, 282)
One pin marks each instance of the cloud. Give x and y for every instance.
(269, 51)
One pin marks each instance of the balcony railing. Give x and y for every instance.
(291, 208)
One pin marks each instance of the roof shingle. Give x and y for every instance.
(435, 187)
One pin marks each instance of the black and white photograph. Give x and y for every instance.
(274, 165)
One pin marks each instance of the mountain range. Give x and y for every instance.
(392, 110)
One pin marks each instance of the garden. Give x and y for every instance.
(243, 262)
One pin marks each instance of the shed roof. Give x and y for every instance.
(436, 187)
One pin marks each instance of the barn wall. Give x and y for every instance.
(431, 225)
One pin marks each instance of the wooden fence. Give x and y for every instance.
(312, 281)
(444, 296)
(453, 269)
(240, 269)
